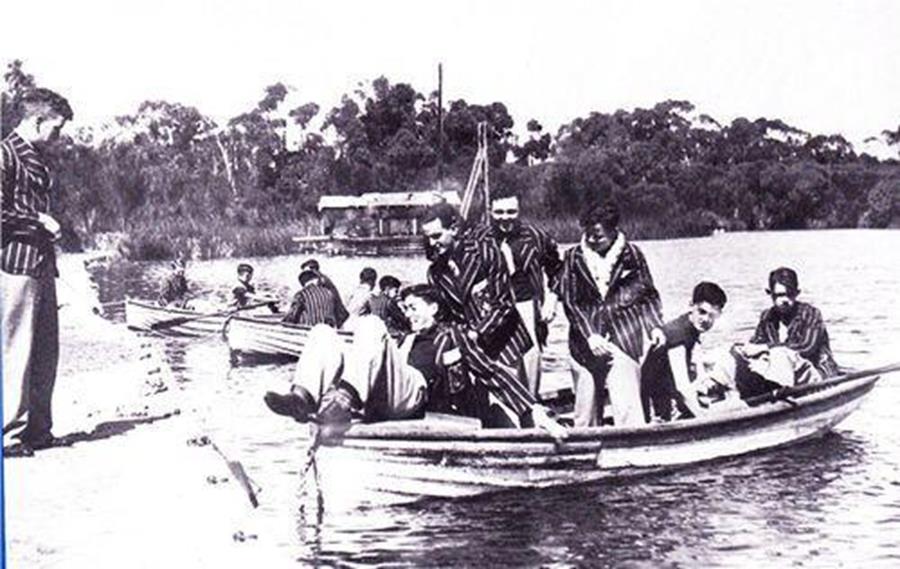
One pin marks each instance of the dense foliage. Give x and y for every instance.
(170, 178)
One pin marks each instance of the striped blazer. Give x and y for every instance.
(26, 186)
(388, 310)
(806, 335)
(314, 304)
(535, 254)
(627, 312)
(477, 294)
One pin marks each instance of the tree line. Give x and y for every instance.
(170, 178)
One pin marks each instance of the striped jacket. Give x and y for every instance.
(314, 304)
(806, 335)
(477, 293)
(26, 185)
(628, 311)
(535, 254)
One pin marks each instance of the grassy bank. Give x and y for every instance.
(213, 239)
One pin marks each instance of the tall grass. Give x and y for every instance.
(220, 238)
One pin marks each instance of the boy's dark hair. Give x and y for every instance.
(606, 213)
(504, 192)
(785, 276)
(307, 276)
(388, 281)
(427, 293)
(310, 264)
(39, 101)
(244, 268)
(711, 293)
(448, 214)
(368, 276)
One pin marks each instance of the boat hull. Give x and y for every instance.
(257, 338)
(403, 461)
(143, 315)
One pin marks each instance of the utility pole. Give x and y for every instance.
(440, 180)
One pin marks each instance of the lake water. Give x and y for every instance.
(829, 502)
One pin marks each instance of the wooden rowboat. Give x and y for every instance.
(408, 460)
(257, 337)
(141, 315)
(148, 316)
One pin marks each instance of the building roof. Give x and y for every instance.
(389, 199)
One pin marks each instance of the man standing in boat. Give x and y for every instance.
(609, 298)
(530, 254)
(314, 304)
(30, 320)
(473, 281)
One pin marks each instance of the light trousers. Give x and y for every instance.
(373, 364)
(30, 354)
(622, 380)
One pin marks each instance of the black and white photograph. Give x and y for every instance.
(292, 283)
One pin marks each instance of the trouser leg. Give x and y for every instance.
(387, 385)
(45, 359)
(531, 360)
(624, 385)
(322, 361)
(589, 387)
(20, 295)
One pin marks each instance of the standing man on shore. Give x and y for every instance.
(30, 319)
(608, 295)
(530, 254)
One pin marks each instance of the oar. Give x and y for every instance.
(162, 325)
(783, 393)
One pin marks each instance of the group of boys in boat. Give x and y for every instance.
(469, 341)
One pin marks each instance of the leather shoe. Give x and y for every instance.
(298, 406)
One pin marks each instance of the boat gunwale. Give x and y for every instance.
(657, 432)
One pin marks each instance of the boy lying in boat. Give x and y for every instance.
(379, 379)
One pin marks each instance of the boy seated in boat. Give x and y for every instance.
(175, 291)
(314, 303)
(244, 293)
(379, 379)
(385, 305)
(669, 371)
(789, 347)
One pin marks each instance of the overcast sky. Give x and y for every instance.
(823, 66)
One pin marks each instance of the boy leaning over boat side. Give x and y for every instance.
(670, 369)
